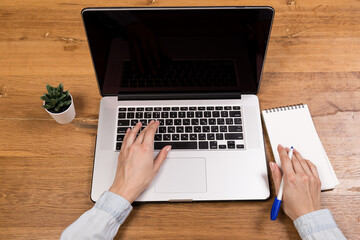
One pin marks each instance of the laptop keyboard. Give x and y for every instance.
(187, 127)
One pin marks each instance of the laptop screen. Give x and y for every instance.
(178, 50)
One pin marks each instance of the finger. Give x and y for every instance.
(132, 135)
(125, 139)
(160, 158)
(286, 165)
(140, 138)
(313, 169)
(150, 133)
(297, 166)
(276, 175)
(303, 163)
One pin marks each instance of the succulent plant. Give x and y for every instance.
(56, 100)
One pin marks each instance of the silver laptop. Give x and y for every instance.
(196, 70)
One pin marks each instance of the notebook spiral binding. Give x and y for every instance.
(284, 108)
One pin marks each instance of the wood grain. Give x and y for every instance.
(46, 168)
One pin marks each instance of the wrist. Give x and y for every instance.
(123, 193)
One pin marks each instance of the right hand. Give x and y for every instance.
(302, 191)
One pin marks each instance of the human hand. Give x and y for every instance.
(301, 193)
(136, 166)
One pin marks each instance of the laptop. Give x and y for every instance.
(197, 70)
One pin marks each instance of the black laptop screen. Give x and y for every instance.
(178, 50)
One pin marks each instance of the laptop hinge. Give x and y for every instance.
(175, 96)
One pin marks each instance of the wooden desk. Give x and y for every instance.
(46, 168)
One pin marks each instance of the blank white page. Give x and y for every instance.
(293, 126)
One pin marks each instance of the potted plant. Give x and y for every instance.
(59, 104)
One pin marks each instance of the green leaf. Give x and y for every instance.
(47, 106)
(61, 88)
(61, 104)
(48, 87)
(67, 103)
(63, 96)
(57, 108)
(45, 98)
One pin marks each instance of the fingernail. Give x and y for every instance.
(128, 130)
(151, 121)
(280, 146)
(272, 167)
(168, 148)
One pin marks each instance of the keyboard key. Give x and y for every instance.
(224, 114)
(229, 121)
(190, 114)
(237, 120)
(201, 108)
(236, 107)
(188, 129)
(184, 108)
(169, 122)
(206, 129)
(181, 114)
(184, 137)
(162, 129)
(203, 145)
(203, 121)
(175, 109)
(120, 138)
(162, 122)
(166, 137)
(122, 109)
(118, 146)
(186, 121)
(235, 114)
(143, 121)
(198, 114)
(173, 114)
(214, 129)
(240, 146)
(235, 128)
(216, 114)
(220, 121)
(193, 136)
(218, 108)
(197, 129)
(134, 122)
(207, 114)
(164, 114)
(192, 108)
(122, 129)
(123, 122)
(223, 128)
(147, 115)
(233, 136)
(158, 137)
(176, 145)
(171, 129)
(177, 122)
(222, 146)
(131, 109)
(156, 115)
(139, 115)
(157, 109)
(179, 129)
(212, 121)
(122, 115)
(148, 109)
(166, 109)
(227, 108)
(194, 121)
(210, 136)
(231, 144)
(175, 137)
(209, 108)
(130, 115)
(202, 136)
(219, 136)
(213, 145)
(140, 109)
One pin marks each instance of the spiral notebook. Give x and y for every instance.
(293, 126)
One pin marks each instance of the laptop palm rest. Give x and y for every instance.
(182, 175)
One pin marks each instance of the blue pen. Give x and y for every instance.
(277, 201)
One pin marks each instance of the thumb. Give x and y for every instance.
(276, 175)
(160, 158)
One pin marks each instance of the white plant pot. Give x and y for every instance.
(64, 117)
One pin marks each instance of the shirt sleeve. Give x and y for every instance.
(318, 225)
(102, 221)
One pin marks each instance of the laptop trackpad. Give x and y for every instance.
(182, 175)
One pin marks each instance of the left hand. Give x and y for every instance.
(136, 167)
